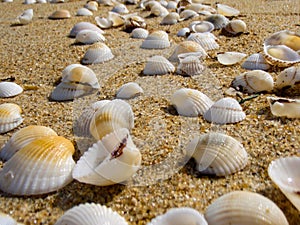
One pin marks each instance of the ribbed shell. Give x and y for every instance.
(42, 166)
(97, 53)
(84, 26)
(190, 64)
(288, 77)
(217, 154)
(139, 33)
(284, 107)
(225, 110)
(89, 37)
(230, 58)
(9, 89)
(91, 214)
(158, 65)
(247, 208)
(281, 55)
(156, 40)
(206, 40)
(219, 21)
(226, 10)
(256, 61)
(84, 12)
(60, 14)
(129, 90)
(10, 117)
(187, 47)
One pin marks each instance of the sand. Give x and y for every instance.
(35, 54)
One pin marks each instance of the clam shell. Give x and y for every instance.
(158, 65)
(190, 64)
(284, 37)
(188, 14)
(284, 107)
(285, 173)
(219, 21)
(206, 40)
(129, 90)
(139, 33)
(170, 19)
(243, 207)
(60, 14)
(84, 26)
(217, 154)
(88, 37)
(9, 89)
(120, 8)
(90, 214)
(288, 77)
(42, 166)
(187, 47)
(159, 10)
(113, 159)
(226, 10)
(230, 58)
(103, 22)
(225, 110)
(91, 5)
(84, 12)
(156, 40)
(97, 53)
(184, 32)
(10, 117)
(201, 26)
(235, 27)
(256, 61)
(25, 17)
(116, 19)
(190, 102)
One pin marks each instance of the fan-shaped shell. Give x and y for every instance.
(9, 89)
(84, 12)
(284, 37)
(129, 90)
(25, 17)
(190, 64)
(230, 58)
(89, 37)
(281, 55)
(284, 107)
(288, 77)
(92, 5)
(42, 166)
(219, 21)
(84, 26)
(187, 47)
(206, 40)
(170, 19)
(256, 61)
(60, 14)
(97, 53)
(10, 117)
(158, 65)
(120, 8)
(139, 33)
(201, 26)
(156, 40)
(226, 10)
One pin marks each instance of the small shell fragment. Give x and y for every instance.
(284, 107)
(288, 77)
(9, 89)
(10, 117)
(156, 40)
(97, 53)
(129, 90)
(60, 14)
(256, 61)
(158, 65)
(230, 58)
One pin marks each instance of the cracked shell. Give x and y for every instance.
(156, 40)
(284, 107)
(9, 89)
(158, 65)
(10, 117)
(97, 53)
(288, 77)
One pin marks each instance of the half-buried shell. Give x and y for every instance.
(84, 26)
(156, 40)
(9, 89)
(129, 90)
(158, 65)
(97, 53)
(89, 37)
(284, 107)
(60, 14)
(10, 117)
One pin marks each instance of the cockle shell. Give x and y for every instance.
(91, 214)
(120, 8)
(284, 107)
(187, 47)
(10, 117)
(97, 53)
(253, 82)
(284, 37)
(243, 207)
(159, 10)
(201, 26)
(88, 37)
(256, 61)
(230, 58)
(206, 40)
(217, 154)
(84, 26)
(9, 89)
(113, 159)
(60, 14)
(42, 166)
(25, 17)
(156, 40)
(219, 21)
(226, 10)
(179, 216)
(288, 77)
(235, 27)
(190, 102)
(170, 19)
(285, 173)
(139, 33)
(92, 5)
(23, 137)
(225, 110)
(158, 65)
(281, 55)
(84, 12)
(190, 64)
(129, 90)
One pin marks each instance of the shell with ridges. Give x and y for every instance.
(187, 47)
(226, 10)
(158, 65)
(230, 58)
(9, 89)
(88, 37)
(206, 40)
(129, 90)
(190, 64)
(97, 53)
(288, 77)
(60, 14)
(84, 26)
(139, 33)
(156, 40)
(284, 107)
(84, 12)
(256, 61)
(10, 117)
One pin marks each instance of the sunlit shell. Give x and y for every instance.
(156, 40)
(129, 90)
(187, 47)
(113, 159)
(120, 8)
(7, 220)
(139, 33)
(27, 2)
(84, 12)
(148, 4)
(190, 64)
(190, 102)
(200, 8)
(253, 82)
(256, 61)
(281, 55)
(97, 53)
(10, 117)
(285, 37)
(25, 17)
(170, 19)
(285, 173)
(23, 137)
(159, 10)
(60, 14)
(188, 14)
(84, 26)
(172, 5)
(217, 154)
(91, 214)
(184, 32)
(9, 89)
(92, 5)
(219, 21)
(235, 27)
(226, 10)
(243, 207)
(230, 58)
(116, 19)
(88, 37)
(201, 26)
(103, 22)
(206, 40)
(42, 166)
(284, 107)
(179, 216)
(134, 21)
(225, 110)
(158, 65)
(288, 77)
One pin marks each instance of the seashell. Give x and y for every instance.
(25, 17)
(285, 37)
(184, 32)
(170, 19)
(253, 82)
(199, 8)
(23, 137)
(106, 2)
(284, 172)
(206, 40)
(42, 166)
(284, 107)
(88, 37)
(226, 10)
(159, 10)
(225, 110)
(188, 14)
(190, 102)
(97, 53)
(235, 27)
(243, 207)
(164, 3)
(10, 117)
(116, 19)
(134, 21)
(179, 216)
(187, 47)
(190, 64)
(156, 40)
(217, 154)
(120, 8)
(7, 220)
(201, 26)
(84, 26)
(158, 65)
(139, 33)
(9, 89)
(129, 90)
(84, 12)
(148, 4)
(60, 14)
(90, 214)
(230, 58)
(172, 5)
(103, 23)
(27, 2)
(113, 159)
(288, 77)
(256, 62)
(219, 21)
(91, 5)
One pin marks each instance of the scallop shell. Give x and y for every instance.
(253, 82)
(201, 26)
(219, 21)
(91, 5)
(179, 216)
(156, 40)
(90, 214)
(129, 90)
(139, 33)
(284, 172)
(256, 62)
(235, 27)
(25, 17)
(113, 159)
(103, 22)
(217, 154)
(97, 53)
(159, 10)
(187, 47)
(84, 26)
(60, 14)
(284, 107)
(230, 58)
(89, 37)
(226, 10)
(42, 166)
(206, 40)
(184, 32)
(288, 77)
(23, 137)
(190, 64)
(190, 102)
(9, 89)
(285, 37)
(10, 117)
(243, 207)
(158, 65)
(120, 8)
(225, 110)
(170, 19)
(84, 12)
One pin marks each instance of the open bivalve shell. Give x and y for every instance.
(285, 173)
(230, 58)
(201, 26)
(88, 37)
(217, 154)
(288, 77)
(10, 117)
(84, 26)
(284, 107)
(42, 166)
(158, 65)
(243, 207)
(129, 90)
(187, 47)
(9, 89)
(256, 61)
(156, 40)
(284, 37)
(97, 53)
(190, 64)
(113, 159)
(91, 214)
(226, 10)
(206, 40)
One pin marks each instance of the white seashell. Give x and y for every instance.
(103, 22)
(253, 82)
(27, 2)
(133, 21)
(25, 17)
(184, 32)
(284, 37)
(199, 8)
(288, 77)
(7, 220)
(113, 159)
(9, 89)
(120, 8)
(159, 10)
(90, 214)
(243, 207)
(84, 26)
(172, 5)
(219, 21)
(179, 216)
(284, 107)
(187, 47)
(170, 19)
(91, 5)
(226, 10)
(88, 37)
(188, 14)
(84, 12)
(158, 65)
(60, 14)
(42, 166)
(284, 172)
(235, 27)
(206, 40)
(190, 64)
(10, 117)
(97, 53)
(230, 58)
(281, 55)
(256, 62)
(129, 90)
(116, 19)
(156, 40)
(139, 33)
(201, 26)
(225, 110)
